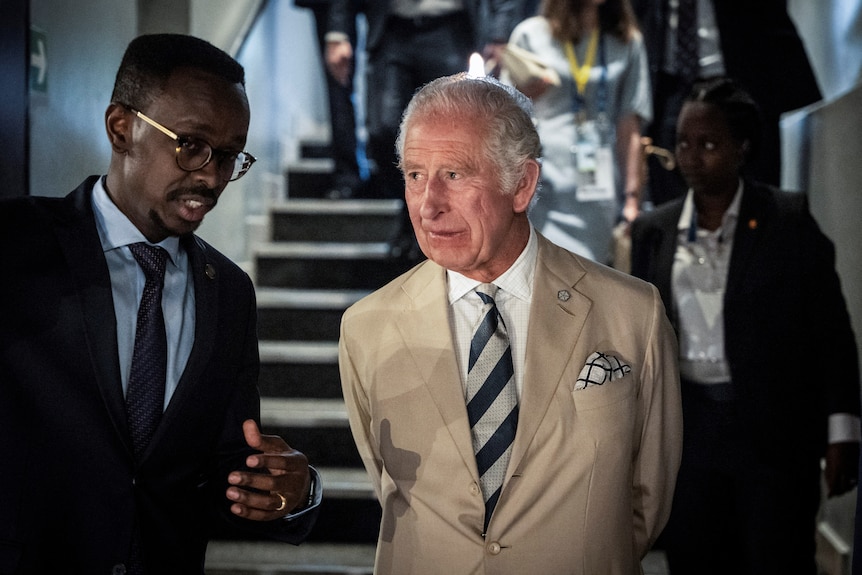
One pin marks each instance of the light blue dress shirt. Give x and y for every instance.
(116, 232)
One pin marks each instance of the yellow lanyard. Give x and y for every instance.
(581, 74)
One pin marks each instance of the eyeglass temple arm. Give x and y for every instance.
(156, 125)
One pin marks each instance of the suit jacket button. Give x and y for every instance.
(474, 489)
(494, 548)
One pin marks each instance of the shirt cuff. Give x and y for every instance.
(315, 495)
(844, 427)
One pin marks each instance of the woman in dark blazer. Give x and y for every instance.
(749, 282)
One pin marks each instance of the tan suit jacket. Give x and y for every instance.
(590, 481)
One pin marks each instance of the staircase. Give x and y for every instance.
(321, 255)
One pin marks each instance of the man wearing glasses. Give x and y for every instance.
(128, 348)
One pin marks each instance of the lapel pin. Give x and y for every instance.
(563, 295)
(210, 271)
(752, 224)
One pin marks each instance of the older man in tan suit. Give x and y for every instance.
(547, 439)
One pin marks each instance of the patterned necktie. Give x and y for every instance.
(146, 389)
(687, 43)
(492, 400)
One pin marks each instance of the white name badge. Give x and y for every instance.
(594, 163)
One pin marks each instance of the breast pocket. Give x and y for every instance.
(605, 395)
(605, 416)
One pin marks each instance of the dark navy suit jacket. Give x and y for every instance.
(70, 490)
(788, 337)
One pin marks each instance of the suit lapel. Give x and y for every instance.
(427, 335)
(751, 215)
(206, 280)
(557, 315)
(85, 257)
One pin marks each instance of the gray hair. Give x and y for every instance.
(505, 114)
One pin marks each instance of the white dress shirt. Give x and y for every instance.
(698, 284)
(513, 299)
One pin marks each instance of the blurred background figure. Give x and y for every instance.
(749, 282)
(349, 157)
(410, 43)
(589, 123)
(755, 42)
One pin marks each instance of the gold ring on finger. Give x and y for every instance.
(283, 501)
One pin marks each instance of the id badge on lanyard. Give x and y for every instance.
(591, 150)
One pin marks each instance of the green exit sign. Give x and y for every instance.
(38, 61)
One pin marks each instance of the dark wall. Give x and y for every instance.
(14, 68)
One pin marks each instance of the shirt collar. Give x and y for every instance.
(688, 217)
(517, 280)
(115, 228)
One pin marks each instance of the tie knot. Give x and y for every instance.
(487, 292)
(152, 259)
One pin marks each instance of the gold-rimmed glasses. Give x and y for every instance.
(193, 153)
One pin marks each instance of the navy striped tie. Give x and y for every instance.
(145, 395)
(492, 400)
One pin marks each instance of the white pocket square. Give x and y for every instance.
(601, 367)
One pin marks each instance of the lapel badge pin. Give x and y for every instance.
(563, 295)
(209, 270)
(752, 224)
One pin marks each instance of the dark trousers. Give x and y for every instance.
(342, 115)
(732, 511)
(411, 54)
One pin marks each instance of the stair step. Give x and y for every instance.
(311, 380)
(273, 558)
(324, 446)
(326, 250)
(347, 521)
(289, 412)
(337, 221)
(312, 558)
(309, 178)
(319, 148)
(317, 427)
(318, 298)
(299, 369)
(346, 483)
(298, 351)
(327, 265)
(296, 314)
(356, 207)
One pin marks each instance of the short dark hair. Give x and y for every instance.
(736, 104)
(150, 59)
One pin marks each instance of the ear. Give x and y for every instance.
(526, 187)
(118, 125)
